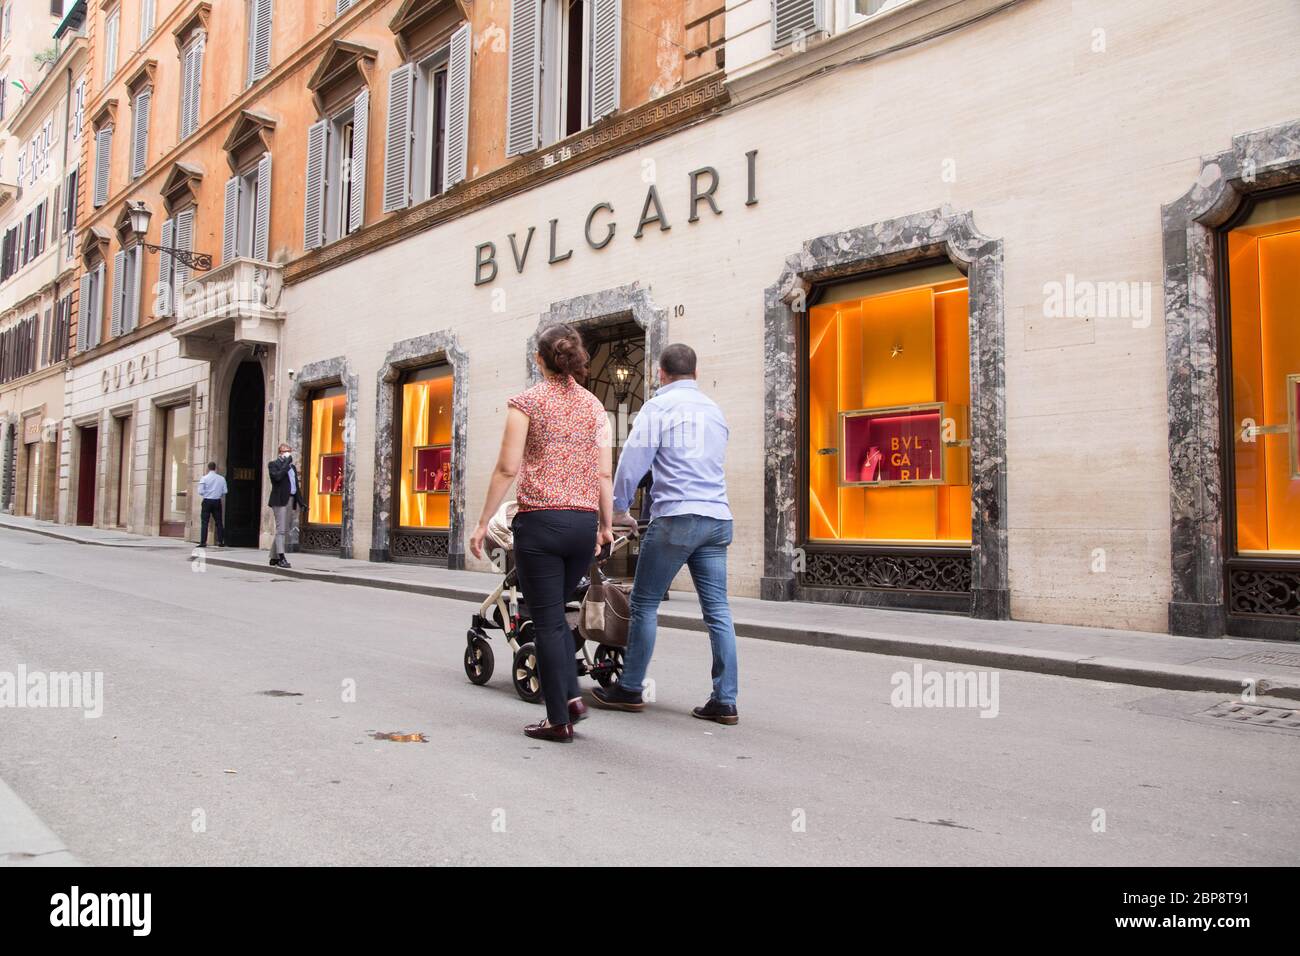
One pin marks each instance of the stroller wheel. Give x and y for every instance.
(527, 684)
(608, 664)
(479, 660)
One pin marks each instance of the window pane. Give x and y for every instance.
(424, 482)
(325, 481)
(888, 406)
(176, 464)
(1264, 290)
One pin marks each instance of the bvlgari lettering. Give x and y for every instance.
(703, 184)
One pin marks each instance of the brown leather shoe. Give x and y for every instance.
(577, 710)
(560, 733)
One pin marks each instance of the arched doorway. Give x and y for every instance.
(244, 456)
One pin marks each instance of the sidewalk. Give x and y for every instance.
(1125, 657)
(24, 839)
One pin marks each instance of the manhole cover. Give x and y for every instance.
(1274, 658)
(1251, 715)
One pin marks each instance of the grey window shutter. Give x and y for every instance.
(187, 83)
(523, 99)
(230, 225)
(97, 306)
(357, 169)
(140, 145)
(165, 268)
(457, 139)
(261, 64)
(184, 240)
(103, 152)
(192, 87)
(314, 186)
(262, 214)
(341, 6)
(605, 56)
(115, 309)
(397, 139)
(83, 314)
(148, 11)
(137, 287)
(795, 18)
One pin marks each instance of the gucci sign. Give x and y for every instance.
(129, 372)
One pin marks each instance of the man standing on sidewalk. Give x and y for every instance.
(286, 492)
(680, 436)
(212, 488)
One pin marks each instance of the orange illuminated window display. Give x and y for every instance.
(888, 391)
(325, 458)
(424, 480)
(1263, 257)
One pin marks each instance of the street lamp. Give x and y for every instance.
(140, 215)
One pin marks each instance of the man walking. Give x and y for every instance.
(680, 436)
(286, 492)
(212, 488)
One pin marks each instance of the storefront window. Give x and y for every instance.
(424, 482)
(325, 457)
(888, 371)
(1264, 290)
(176, 469)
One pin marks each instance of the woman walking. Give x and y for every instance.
(557, 441)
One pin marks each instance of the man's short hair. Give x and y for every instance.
(212, 466)
(678, 360)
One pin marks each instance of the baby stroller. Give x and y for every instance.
(505, 610)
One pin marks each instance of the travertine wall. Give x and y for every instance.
(1063, 153)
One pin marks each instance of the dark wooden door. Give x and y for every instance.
(86, 475)
(244, 457)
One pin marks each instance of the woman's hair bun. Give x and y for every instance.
(563, 352)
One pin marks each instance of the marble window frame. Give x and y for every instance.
(942, 233)
(1192, 225)
(406, 355)
(310, 378)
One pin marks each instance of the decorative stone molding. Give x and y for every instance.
(105, 116)
(95, 243)
(181, 187)
(142, 77)
(934, 234)
(615, 134)
(409, 354)
(418, 25)
(197, 20)
(605, 308)
(249, 138)
(341, 73)
(310, 377)
(1258, 161)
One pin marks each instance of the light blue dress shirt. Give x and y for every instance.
(680, 437)
(212, 487)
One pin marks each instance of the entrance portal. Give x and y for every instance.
(86, 475)
(244, 457)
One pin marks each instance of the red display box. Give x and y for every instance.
(432, 470)
(329, 474)
(902, 445)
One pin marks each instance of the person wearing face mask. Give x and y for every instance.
(286, 492)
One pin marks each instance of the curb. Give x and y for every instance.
(1116, 670)
(24, 839)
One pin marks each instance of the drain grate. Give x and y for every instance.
(1250, 715)
(1275, 658)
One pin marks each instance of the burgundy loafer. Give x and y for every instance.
(561, 733)
(577, 711)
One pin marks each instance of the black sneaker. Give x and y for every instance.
(722, 713)
(615, 697)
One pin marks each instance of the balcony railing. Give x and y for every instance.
(238, 302)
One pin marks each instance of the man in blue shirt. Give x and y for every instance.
(212, 488)
(680, 437)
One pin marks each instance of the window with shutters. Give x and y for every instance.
(564, 66)
(112, 25)
(191, 83)
(140, 131)
(78, 110)
(148, 18)
(343, 166)
(103, 157)
(336, 174)
(90, 309)
(852, 12)
(68, 214)
(247, 213)
(342, 6)
(259, 41)
(795, 22)
(7, 21)
(177, 233)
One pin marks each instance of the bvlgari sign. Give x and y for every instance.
(601, 225)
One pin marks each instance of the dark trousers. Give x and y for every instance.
(553, 550)
(211, 508)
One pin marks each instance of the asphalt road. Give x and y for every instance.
(194, 762)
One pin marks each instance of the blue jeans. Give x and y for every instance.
(700, 543)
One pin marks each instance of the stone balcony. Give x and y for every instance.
(238, 302)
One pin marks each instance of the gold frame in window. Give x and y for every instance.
(415, 457)
(320, 473)
(1293, 421)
